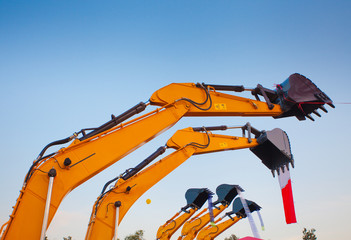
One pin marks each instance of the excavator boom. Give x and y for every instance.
(77, 163)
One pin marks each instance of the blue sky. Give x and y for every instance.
(65, 66)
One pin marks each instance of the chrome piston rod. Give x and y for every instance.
(52, 174)
(117, 205)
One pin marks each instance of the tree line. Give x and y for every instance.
(307, 234)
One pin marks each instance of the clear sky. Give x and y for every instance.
(68, 65)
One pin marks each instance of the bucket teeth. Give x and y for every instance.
(317, 113)
(281, 169)
(323, 109)
(332, 105)
(310, 117)
(292, 163)
(287, 166)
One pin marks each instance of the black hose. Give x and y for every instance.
(40, 156)
(199, 145)
(106, 185)
(196, 104)
(58, 142)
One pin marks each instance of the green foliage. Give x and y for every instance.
(232, 237)
(309, 234)
(138, 235)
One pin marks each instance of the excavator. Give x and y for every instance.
(226, 193)
(196, 198)
(194, 225)
(212, 231)
(112, 205)
(91, 150)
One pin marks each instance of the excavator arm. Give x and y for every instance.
(196, 198)
(212, 231)
(170, 227)
(297, 96)
(133, 184)
(90, 153)
(226, 193)
(112, 205)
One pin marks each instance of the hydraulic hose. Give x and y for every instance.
(40, 156)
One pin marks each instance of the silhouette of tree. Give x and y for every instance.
(231, 237)
(309, 234)
(138, 235)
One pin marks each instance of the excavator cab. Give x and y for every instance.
(298, 96)
(239, 210)
(274, 150)
(196, 197)
(226, 193)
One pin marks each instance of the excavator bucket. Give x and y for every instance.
(298, 96)
(226, 193)
(274, 150)
(196, 197)
(239, 210)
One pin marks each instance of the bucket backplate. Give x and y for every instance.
(196, 197)
(274, 150)
(226, 193)
(239, 210)
(298, 96)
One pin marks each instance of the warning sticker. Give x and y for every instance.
(220, 106)
(223, 144)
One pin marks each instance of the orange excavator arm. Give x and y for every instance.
(212, 231)
(92, 152)
(296, 96)
(226, 193)
(196, 198)
(112, 205)
(133, 184)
